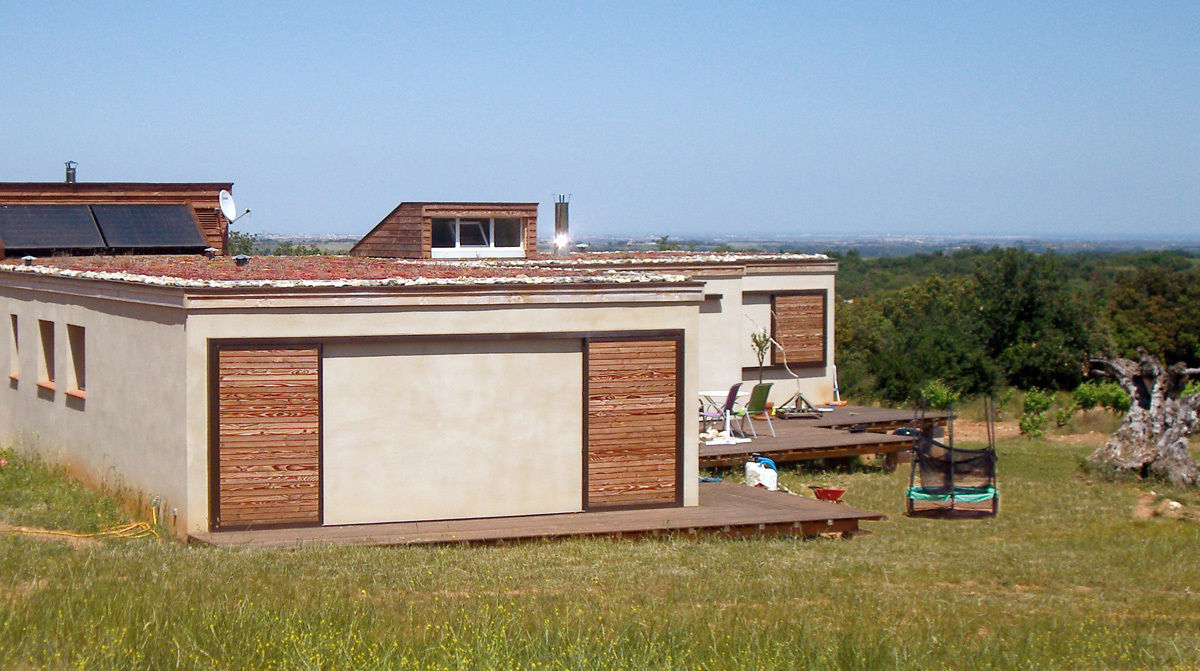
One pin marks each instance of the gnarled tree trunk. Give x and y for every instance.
(1153, 439)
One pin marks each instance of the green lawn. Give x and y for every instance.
(1063, 578)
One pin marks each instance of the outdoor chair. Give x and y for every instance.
(714, 413)
(757, 405)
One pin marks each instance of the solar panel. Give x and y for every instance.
(48, 228)
(149, 227)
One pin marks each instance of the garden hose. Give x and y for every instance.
(131, 530)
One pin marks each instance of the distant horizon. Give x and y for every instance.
(865, 237)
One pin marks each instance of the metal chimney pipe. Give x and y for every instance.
(561, 228)
(71, 172)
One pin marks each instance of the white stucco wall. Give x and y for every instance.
(568, 318)
(129, 431)
(451, 429)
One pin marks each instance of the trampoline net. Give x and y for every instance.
(948, 470)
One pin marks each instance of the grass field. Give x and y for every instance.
(1063, 578)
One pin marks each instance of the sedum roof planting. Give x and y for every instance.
(318, 271)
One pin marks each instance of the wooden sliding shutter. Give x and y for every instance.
(633, 420)
(799, 326)
(268, 452)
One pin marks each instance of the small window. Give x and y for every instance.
(14, 350)
(46, 372)
(76, 343)
(445, 233)
(472, 233)
(508, 233)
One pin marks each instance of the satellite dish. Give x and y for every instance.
(227, 207)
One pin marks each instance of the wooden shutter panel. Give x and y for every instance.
(269, 436)
(633, 417)
(799, 326)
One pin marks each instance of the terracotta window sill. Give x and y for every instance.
(47, 385)
(77, 393)
(14, 377)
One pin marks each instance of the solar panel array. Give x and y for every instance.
(127, 227)
(89, 229)
(40, 227)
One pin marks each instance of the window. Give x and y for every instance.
(477, 236)
(78, 370)
(46, 361)
(14, 350)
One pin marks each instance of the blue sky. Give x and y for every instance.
(1066, 118)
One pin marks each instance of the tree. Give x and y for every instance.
(1152, 441)
(935, 334)
(1033, 324)
(1156, 308)
(242, 243)
(760, 342)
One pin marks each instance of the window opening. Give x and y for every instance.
(77, 344)
(46, 374)
(14, 350)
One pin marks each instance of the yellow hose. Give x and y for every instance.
(131, 530)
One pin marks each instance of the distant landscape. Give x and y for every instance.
(868, 246)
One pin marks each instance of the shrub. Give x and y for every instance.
(1113, 397)
(1087, 395)
(1101, 394)
(935, 394)
(1033, 416)
(1192, 388)
(1063, 415)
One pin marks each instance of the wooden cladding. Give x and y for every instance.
(798, 324)
(406, 232)
(202, 197)
(268, 452)
(633, 438)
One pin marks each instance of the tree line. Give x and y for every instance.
(981, 319)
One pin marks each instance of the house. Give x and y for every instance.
(301, 391)
(267, 401)
(45, 218)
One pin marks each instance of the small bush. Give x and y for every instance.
(936, 394)
(1033, 416)
(1192, 388)
(1113, 397)
(1063, 415)
(1108, 395)
(1087, 395)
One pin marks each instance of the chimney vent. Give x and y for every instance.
(71, 172)
(561, 233)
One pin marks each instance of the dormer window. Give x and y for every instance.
(462, 237)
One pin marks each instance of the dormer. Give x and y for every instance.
(454, 231)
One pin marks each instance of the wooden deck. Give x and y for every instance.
(795, 442)
(874, 419)
(725, 509)
(825, 437)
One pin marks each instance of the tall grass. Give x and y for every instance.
(1063, 578)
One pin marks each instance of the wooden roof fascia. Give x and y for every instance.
(821, 267)
(108, 187)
